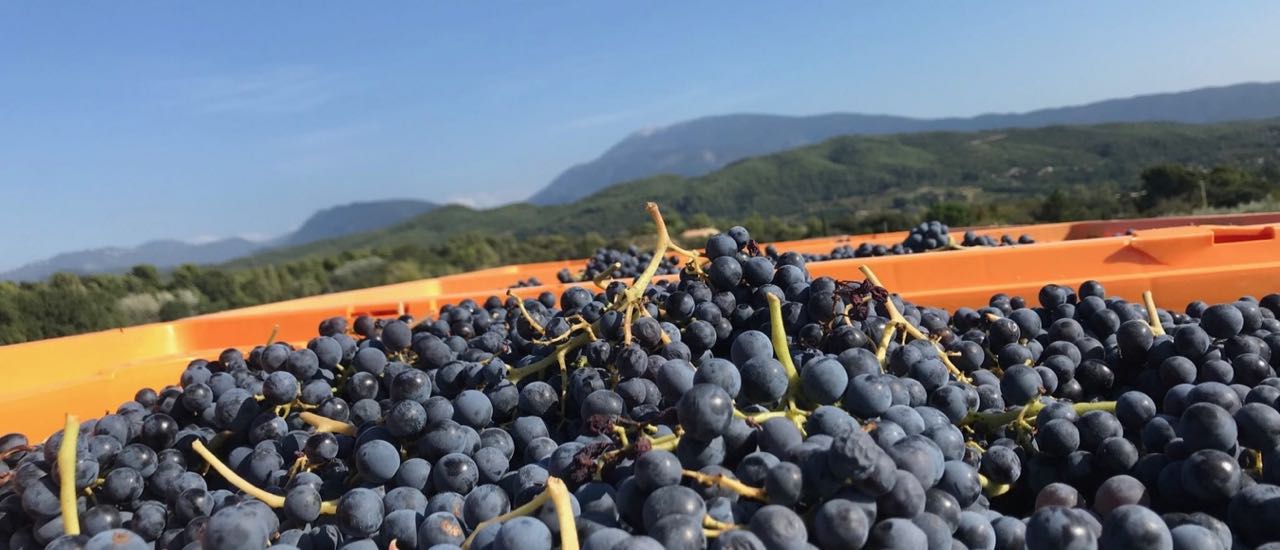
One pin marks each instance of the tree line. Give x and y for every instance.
(67, 304)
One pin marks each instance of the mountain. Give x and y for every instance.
(703, 145)
(330, 223)
(855, 177)
(349, 219)
(163, 253)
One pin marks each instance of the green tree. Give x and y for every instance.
(1169, 186)
(1228, 186)
(951, 213)
(174, 310)
(147, 274)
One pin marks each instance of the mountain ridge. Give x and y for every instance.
(329, 223)
(856, 175)
(701, 145)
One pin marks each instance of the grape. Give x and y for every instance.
(679, 532)
(483, 503)
(905, 500)
(750, 344)
(235, 527)
(705, 411)
(359, 513)
(1058, 438)
(404, 498)
(472, 408)
(656, 469)
(841, 524)
(721, 373)
(673, 499)
(961, 481)
(784, 484)
(523, 533)
(116, 539)
(975, 531)
(377, 461)
(1133, 526)
(824, 380)
(763, 379)
(778, 527)
(1189, 536)
(440, 528)
(1058, 527)
(896, 533)
(867, 396)
(1207, 426)
(1119, 491)
(1211, 475)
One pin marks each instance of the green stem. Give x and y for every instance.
(67, 476)
(780, 348)
(989, 421)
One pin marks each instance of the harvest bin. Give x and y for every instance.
(92, 374)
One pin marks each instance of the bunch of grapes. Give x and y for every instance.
(619, 264)
(744, 405)
(523, 283)
(928, 236)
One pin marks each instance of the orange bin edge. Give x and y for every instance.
(91, 374)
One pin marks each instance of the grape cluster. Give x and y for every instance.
(531, 281)
(618, 264)
(746, 405)
(928, 236)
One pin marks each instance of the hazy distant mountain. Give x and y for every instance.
(354, 218)
(162, 254)
(702, 145)
(329, 223)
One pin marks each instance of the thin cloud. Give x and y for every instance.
(207, 238)
(479, 200)
(649, 111)
(278, 90)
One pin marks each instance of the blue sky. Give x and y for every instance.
(126, 122)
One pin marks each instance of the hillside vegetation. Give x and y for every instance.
(854, 181)
(700, 146)
(844, 185)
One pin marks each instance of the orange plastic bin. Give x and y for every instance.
(91, 374)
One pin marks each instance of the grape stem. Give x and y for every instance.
(275, 501)
(780, 348)
(601, 279)
(896, 318)
(757, 418)
(329, 425)
(715, 524)
(535, 325)
(558, 494)
(992, 489)
(67, 476)
(630, 299)
(564, 513)
(1153, 314)
(882, 350)
(989, 421)
(1254, 461)
(778, 335)
(727, 482)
